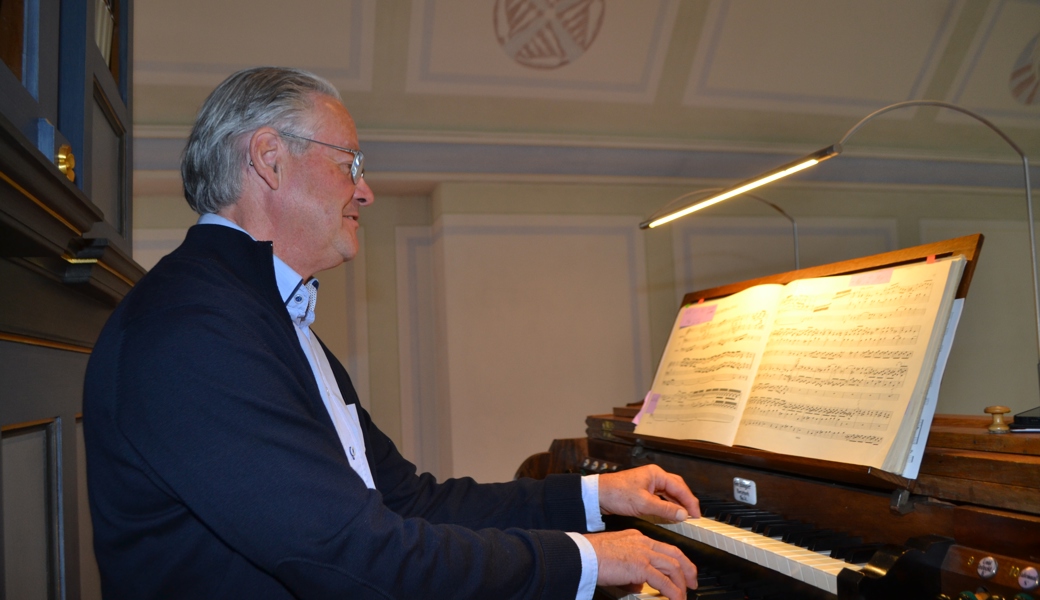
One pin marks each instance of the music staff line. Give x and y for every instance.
(840, 354)
(906, 335)
(856, 438)
(726, 327)
(832, 394)
(832, 316)
(787, 368)
(717, 379)
(821, 416)
(893, 294)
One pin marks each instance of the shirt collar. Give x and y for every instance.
(292, 289)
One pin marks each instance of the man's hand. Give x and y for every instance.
(629, 557)
(638, 492)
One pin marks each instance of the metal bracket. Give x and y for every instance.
(902, 502)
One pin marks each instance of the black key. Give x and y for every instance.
(782, 529)
(779, 529)
(861, 554)
(760, 527)
(718, 594)
(748, 521)
(802, 538)
(712, 509)
(836, 543)
(729, 515)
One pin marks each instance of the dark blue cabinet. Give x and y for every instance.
(65, 228)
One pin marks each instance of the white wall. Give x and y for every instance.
(485, 320)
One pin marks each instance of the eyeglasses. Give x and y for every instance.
(357, 168)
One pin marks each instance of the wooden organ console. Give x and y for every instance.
(777, 526)
(967, 528)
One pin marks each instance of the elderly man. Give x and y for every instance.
(227, 452)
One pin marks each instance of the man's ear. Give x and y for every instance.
(266, 148)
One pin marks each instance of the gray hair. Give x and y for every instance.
(215, 156)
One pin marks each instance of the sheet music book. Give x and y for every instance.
(843, 368)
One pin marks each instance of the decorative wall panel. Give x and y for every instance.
(596, 50)
(225, 37)
(819, 55)
(546, 322)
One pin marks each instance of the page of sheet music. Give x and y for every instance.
(842, 363)
(706, 372)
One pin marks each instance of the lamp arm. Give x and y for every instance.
(794, 227)
(940, 104)
(1025, 170)
(707, 191)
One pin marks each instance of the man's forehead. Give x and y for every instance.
(330, 114)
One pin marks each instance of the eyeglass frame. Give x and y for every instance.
(357, 167)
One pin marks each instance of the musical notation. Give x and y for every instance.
(823, 393)
(906, 335)
(834, 374)
(691, 365)
(861, 298)
(849, 355)
(717, 405)
(706, 380)
(724, 330)
(845, 317)
(830, 434)
(697, 346)
(819, 415)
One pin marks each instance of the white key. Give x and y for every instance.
(814, 568)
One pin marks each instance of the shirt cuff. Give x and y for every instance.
(590, 498)
(589, 567)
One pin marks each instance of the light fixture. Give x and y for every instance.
(832, 151)
(746, 186)
(714, 194)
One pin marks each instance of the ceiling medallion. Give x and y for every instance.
(547, 34)
(1025, 75)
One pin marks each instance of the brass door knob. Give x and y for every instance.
(66, 162)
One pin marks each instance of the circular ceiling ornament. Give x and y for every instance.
(1025, 75)
(547, 34)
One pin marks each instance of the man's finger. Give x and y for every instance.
(673, 487)
(666, 509)
(669, 588)
(689, 570)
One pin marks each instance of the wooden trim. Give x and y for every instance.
(622, 430)
(37, 201)
(967, 246)
(111, 270)
(23, 339)
(27, 425)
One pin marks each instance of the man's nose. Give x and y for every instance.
(363, 194)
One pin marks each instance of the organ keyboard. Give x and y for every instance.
(817, 569)
(968, 528)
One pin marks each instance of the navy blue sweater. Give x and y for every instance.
(215, 470)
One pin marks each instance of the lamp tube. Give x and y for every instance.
(746, 186)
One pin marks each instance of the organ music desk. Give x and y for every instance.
(967, 527)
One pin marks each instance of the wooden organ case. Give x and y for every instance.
(967, 527)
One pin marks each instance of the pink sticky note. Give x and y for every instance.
(697, 314)
(871, 278)
(649, 404)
